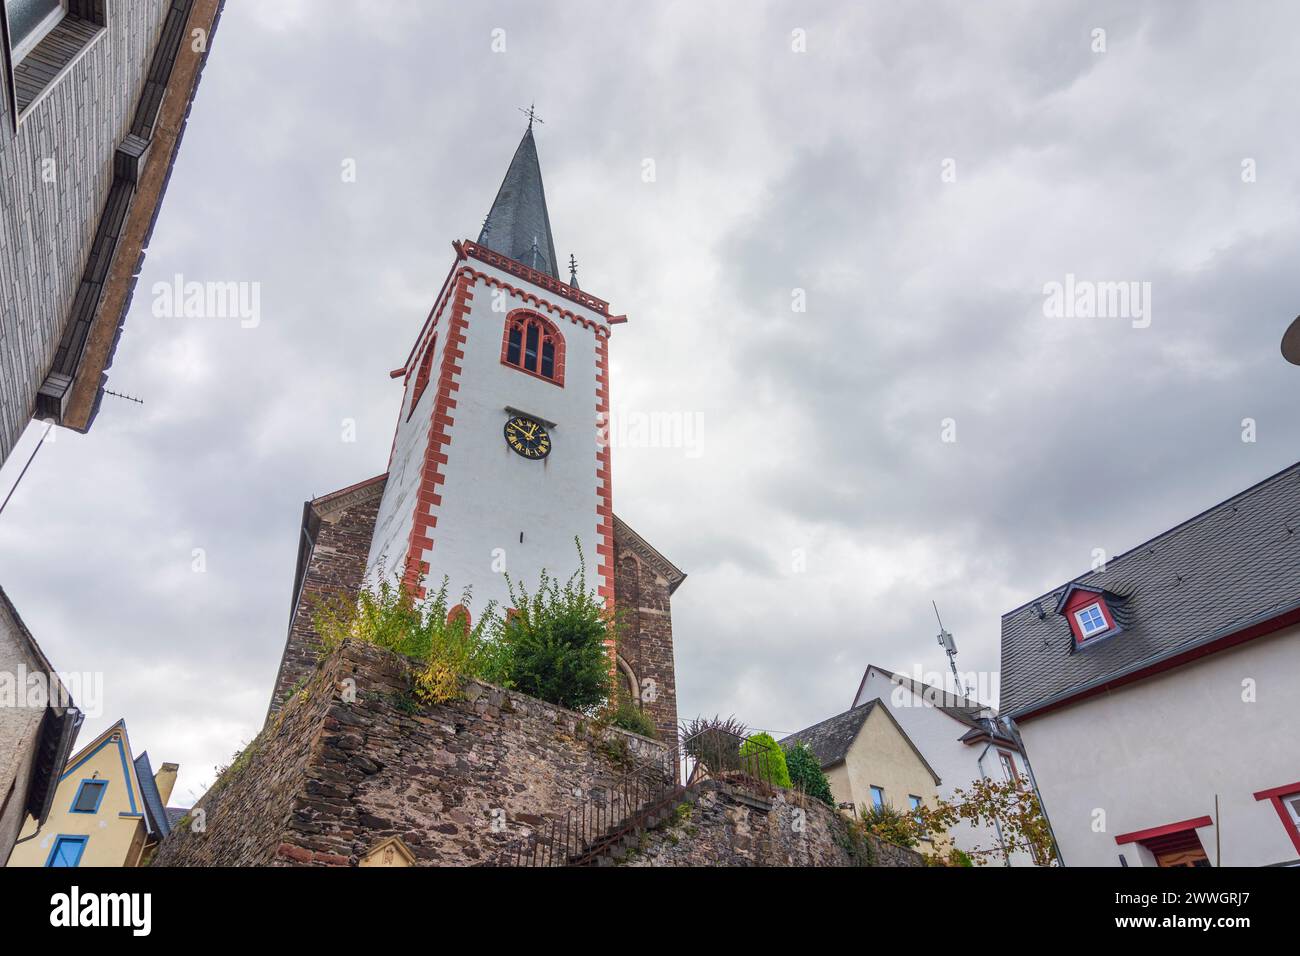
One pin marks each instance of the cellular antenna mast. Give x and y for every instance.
(950, 648)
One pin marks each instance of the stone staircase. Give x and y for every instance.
(612, 847)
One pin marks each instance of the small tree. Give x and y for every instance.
(554, 642)
(761, 756)
(806, 773)
(1006, 805)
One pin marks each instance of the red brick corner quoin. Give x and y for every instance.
(604, 488)
(435, 453)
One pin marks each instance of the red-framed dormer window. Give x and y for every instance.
(1088, 611)
(422, 376)
(534, 345)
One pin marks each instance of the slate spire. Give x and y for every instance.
(518, 225)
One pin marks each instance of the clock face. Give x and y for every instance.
(528, 438)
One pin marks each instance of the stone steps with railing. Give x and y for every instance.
(610, 822)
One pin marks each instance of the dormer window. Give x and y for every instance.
(1091, 621)
(1090, 612)
(534, 345)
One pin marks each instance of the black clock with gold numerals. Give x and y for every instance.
(528, 438)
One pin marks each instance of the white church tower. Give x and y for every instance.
(499, 459)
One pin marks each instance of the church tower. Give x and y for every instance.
(499, 459)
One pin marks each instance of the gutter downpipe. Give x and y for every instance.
(1010, 724)
(996, 825)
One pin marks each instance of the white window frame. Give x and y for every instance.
(1084, 631)
(1292, 804)
(29, 43)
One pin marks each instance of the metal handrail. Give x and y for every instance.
(611, 813)
(621, 809)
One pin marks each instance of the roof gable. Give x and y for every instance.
(961, 709)
(831, 739)
(625, 537)
(112, 750)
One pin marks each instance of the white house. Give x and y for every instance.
(962, 743)
(1156, 697)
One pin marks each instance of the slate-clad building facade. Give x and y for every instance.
(93, 101)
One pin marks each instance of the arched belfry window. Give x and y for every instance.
(534, 345)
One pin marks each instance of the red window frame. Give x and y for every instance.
(525, 342)
(1276, 795)
(1080, 600)
(422, 376)
(1008, 761)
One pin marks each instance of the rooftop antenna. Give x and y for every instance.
(129, 398)
(950, 648)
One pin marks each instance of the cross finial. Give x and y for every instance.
(573, 270)
(531, 114)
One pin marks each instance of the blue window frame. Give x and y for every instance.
(914, 802)
(89, 796)
(67, 851)
(877, 798)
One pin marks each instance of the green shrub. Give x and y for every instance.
(890, 824)
(806, 773)
(552, 645)
(389, 616)
(628, 716)
(761, 756)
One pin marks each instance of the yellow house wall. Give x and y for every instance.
(114, 839)
(882, 757)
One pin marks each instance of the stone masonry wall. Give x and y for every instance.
(727, 826)
(460, 783)
(643, 602)
(337, 564)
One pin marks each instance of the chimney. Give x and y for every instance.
(165, 780)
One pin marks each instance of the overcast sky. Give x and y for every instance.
(921, 171)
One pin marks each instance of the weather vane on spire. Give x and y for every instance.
(573, 271)
(531, 114)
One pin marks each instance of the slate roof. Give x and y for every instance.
(156, 819)
(831, 739)
(518, 217)
(175, 815)
(954, 705)
(1228, 568)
